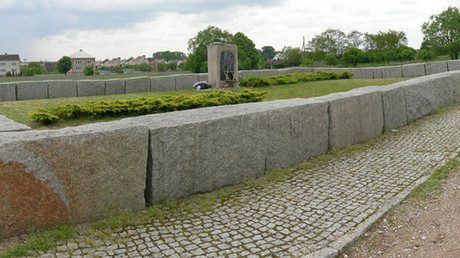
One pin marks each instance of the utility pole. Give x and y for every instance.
(303, 47)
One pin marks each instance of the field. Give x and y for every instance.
(19, 110)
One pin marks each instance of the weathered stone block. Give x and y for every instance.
(296, 130)
(8, 125)
(392, 72)
(163, 83)
(62, 89)
(267, 72)
(284, 71)
(70, 175)
(202, 77)
(378, 73)
(453, 65)
(456, 84)
(355, 117)
(245, 73)
(137, 84)
(115, 86)
(436, 67)
(186, 81)
(362, 73)
(194, 150)
(32, 90)
(413, 70)
(90, 88)
(444, 90)
(7, 92)
(394, 106)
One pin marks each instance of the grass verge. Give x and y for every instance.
(19, 110)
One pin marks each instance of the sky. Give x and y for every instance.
(46, 30)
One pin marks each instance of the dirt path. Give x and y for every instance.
(418, 227)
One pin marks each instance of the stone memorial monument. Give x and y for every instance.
(222, 65)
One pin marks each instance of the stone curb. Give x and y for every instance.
(338, 246)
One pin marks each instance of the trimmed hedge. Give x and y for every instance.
(260, 81)
(143, 106)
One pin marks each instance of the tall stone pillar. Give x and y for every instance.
(222, 65)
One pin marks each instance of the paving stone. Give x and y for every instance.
(310, 209)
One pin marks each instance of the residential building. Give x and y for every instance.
(80, 59)
(10, 64)
(140, 60)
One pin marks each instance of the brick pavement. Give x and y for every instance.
(306, 212)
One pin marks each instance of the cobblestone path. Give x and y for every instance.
(299, 215)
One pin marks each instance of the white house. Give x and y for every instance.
(10, 63)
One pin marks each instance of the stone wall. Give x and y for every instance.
(78, 174)
(81, 88)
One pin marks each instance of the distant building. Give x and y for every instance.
(79, 60)
(10, 63)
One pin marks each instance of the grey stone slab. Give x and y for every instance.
(137, 84)
(186, 81)
(7, 92)
(62, 89)
(163, 83)
(32, 90)
(426, 94)
(296, 133)
(453, 65)
(203, 77)
(83, 173)
(8, 125)
(200, 156)
(355, 117)
(436, 67)
(413, 70)
(245, 73)
(362, 73)
(87, 88)
(392, 72)
(302, 69)
(456, 83)
(394, 107)
(378, 73)
(267, 72)
(284, 71)
(115, 86)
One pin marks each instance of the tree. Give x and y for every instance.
(248, 56)
(442, 31)
(331, 41)
(32, 68)
(268, 53)
(169, 56)
(64, 64)
(88, 70)
(354, 39)
(172, 65)
(352, 56)
(290, 56)
(384, 41)
(197, 46)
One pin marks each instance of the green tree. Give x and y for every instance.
(354, 39)
(172, 65)
(88, 70)
(64, 64)
(32, 68)
(161, 66)
(169, 55)
(442, 31)
(197, 46)
(289, 57)
(352, 56)
(248, 56)
(268, 53)
(332, 41)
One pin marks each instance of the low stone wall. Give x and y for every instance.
(82, 88)
(78, 174)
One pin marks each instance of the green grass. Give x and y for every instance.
(19, 110)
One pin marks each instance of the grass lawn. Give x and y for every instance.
(19, 110)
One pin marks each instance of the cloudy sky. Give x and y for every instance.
(50, 29)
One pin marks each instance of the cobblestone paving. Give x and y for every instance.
(297, 216)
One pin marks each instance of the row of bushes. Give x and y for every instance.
(142, 106)
(260, 81)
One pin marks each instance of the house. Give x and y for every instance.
(79, 60)
(114, 62)
(140, 60)
(10, 64)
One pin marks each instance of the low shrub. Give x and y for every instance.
(142, 106)
(259, 81)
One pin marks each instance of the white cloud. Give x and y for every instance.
(276, 25)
